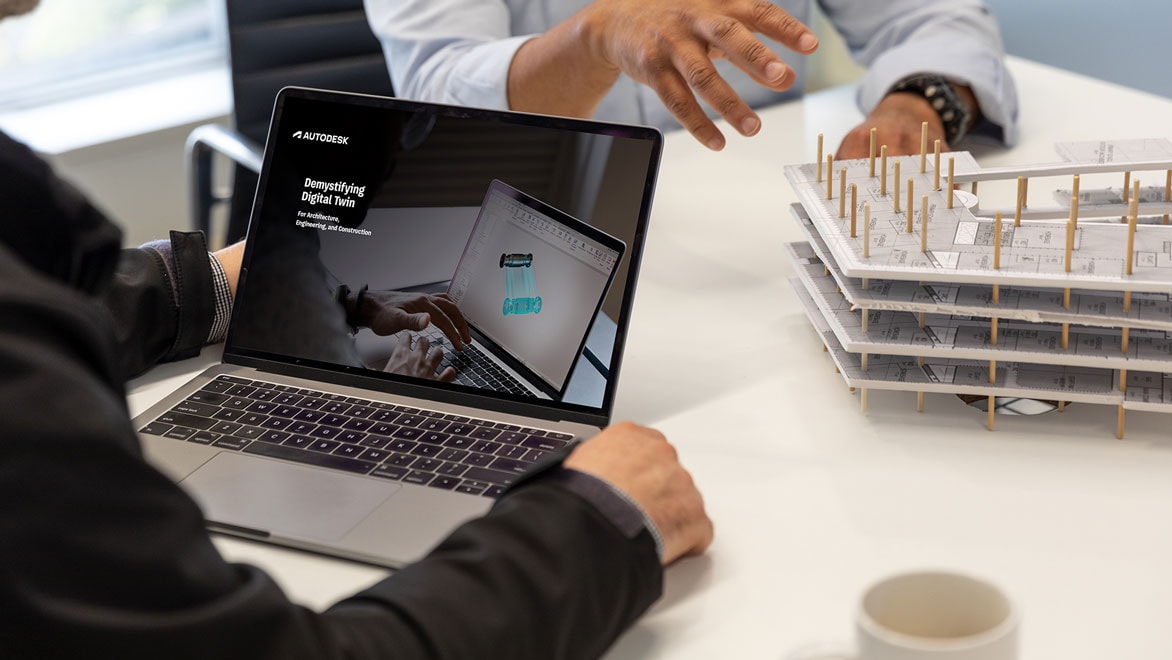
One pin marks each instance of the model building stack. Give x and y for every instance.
(913, 286)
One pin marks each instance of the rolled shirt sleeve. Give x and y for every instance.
(959, 39)
(447, 51)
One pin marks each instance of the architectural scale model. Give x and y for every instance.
(913, 286)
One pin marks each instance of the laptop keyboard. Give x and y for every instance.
(473, 367)
(424, 447)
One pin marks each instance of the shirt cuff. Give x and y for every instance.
(616, 505)
(223, 301)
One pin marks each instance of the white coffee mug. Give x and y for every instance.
(930, 615)
(936, 615)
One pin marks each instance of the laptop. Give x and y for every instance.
(529, 284)
(303, 436)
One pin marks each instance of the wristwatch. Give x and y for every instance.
(942, 96)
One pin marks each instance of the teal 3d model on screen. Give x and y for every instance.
(520, 287)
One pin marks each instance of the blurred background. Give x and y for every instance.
(109, 90)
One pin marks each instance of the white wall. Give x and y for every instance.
(1124, 42)
(140, 181)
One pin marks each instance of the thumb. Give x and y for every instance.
(420, 321)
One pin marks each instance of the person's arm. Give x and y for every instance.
(103, 556)
(454, 49)
(958, 40)
(169, 299)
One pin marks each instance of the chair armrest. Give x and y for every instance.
(202, 143)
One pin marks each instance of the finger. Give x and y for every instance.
(702, 77)
(777, 24)
(447, 375)
(454, 320)
(731, 39)
(418, 321)
(423, 345)
(435, 357)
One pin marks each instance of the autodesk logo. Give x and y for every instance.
(321, 137)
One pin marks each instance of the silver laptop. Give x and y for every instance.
(307, 435)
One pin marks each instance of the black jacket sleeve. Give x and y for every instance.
(101, 556)
(161, 310)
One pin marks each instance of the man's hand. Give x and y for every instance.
(668, 45)
(420, 361)
(388, 312)
(640, 462)
(899, 118)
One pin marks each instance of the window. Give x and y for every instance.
(67, 48)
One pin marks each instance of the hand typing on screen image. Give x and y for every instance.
(420, 361)
(388, 312)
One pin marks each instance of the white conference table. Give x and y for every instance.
(814, 499)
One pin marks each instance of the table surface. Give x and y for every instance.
(814, 499)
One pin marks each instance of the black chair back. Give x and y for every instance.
(309, 43)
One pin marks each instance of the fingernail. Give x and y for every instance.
(775, 71)
(807, 42)
(716, 144)
(750, 126)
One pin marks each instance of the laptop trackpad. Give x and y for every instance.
(284, 499)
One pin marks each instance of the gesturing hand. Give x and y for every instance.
(670, 45)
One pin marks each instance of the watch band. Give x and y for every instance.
(954, 113)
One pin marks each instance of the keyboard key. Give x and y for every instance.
(485, 433)
(491, 476)
(324, 446)
(183, 419)
(477, 459)
(275, 437)
(452, 469)
(389, 472)
(428, 464)
(353, 451)
(232, 442)
(292, 454)
(204, 437)
(546, 444)
(179, 433)
(225, 427)
(418, 477)
(486, 447)
(196, 408)
(374, 455)
(299, 441)
(155, 428)
(494, 491)
(511, 465)
(400, 459)
(447, 483)
(376, 441)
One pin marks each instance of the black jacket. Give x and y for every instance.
(101, 556)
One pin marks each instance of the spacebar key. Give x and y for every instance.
(313, 458)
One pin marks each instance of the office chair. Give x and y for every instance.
(310, 43)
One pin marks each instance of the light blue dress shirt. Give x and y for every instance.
(459, 51)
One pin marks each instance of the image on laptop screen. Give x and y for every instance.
(530, 281)
(530, 229)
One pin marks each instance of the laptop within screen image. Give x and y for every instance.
(531, 280)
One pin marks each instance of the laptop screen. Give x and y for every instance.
(532, 226)
(531, 280)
